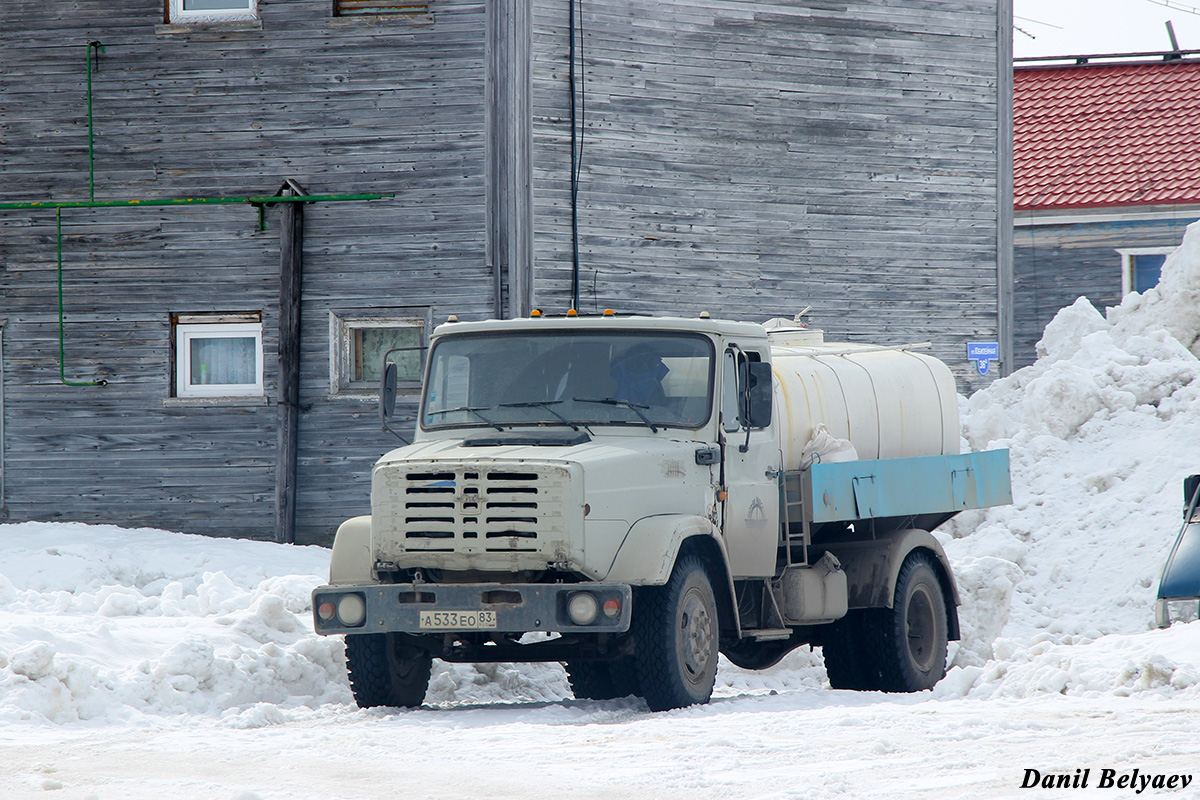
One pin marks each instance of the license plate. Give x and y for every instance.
(458, 620)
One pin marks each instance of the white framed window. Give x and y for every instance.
(218, 356)
(212, 10)
(1141, 267)
(360, 343)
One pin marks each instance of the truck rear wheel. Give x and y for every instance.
(386, 670)
(907, 642)
(677, 636)
(602, 680)
(847, 662)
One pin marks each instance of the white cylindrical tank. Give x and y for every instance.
(888, 402)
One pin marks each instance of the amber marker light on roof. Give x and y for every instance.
(572, 312)
(608, 312)
(537, 312)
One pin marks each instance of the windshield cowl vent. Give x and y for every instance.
(532, 438)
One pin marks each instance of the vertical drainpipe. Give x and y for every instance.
(1004, 185)
(291, 249)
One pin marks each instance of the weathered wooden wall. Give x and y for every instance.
(1057, 264)
(746, 159)
(341, 106)
(751, 159)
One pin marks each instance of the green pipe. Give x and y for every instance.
(259, 202)
(192, 201)
(62, 328)
(91, 124)
(58, 206)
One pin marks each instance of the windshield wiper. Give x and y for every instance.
(546, 405)
(612, 401)
(473, 409)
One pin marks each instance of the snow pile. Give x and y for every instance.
(98, 623)
(1101, 432)
(101, 624)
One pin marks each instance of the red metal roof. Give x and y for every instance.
(1106, 135)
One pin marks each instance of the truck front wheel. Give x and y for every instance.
(386, 670)
(602, 680)
(677, 636)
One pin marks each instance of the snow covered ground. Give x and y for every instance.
(145, 664)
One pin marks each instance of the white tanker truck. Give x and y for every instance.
(631, 496)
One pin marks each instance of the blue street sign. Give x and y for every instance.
(983, 353)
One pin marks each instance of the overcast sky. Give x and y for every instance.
(1076, 27)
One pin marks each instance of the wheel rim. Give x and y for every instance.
(695, 635)
(922, 628)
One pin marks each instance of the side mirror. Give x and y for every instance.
(387, 392)
(756, 377)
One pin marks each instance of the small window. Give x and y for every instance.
(212, 10)
(362, 344)
(1141, 267)
(359, 8)
(1146, 270)
(218, 358)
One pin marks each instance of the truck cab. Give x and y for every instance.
(629, 496)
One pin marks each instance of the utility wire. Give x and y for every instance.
(1039, 22)
(578, 115)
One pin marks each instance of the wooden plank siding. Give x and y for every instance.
(753, 158)
(745, 158)
(341, 106)
(1055, 265)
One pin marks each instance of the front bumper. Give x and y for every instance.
(468, 607)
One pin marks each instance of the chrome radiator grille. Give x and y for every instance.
(436, 507)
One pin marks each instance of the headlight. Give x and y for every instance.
(582, 608)
(351, 610)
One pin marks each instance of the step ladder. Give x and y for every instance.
(795, 529)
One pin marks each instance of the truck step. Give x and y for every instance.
(769, 634)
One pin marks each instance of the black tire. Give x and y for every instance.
(677, 632)
(846, 659)
(602, 680)
(906, 644)
(386, 670)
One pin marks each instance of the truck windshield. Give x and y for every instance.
(590, 378)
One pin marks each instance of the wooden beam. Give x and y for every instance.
(1005, 281)
(509, 145)
(291, 260)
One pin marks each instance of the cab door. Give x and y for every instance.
(750, 447)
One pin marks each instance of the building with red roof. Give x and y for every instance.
(1106, 177)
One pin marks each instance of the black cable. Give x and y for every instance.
(577, 117)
